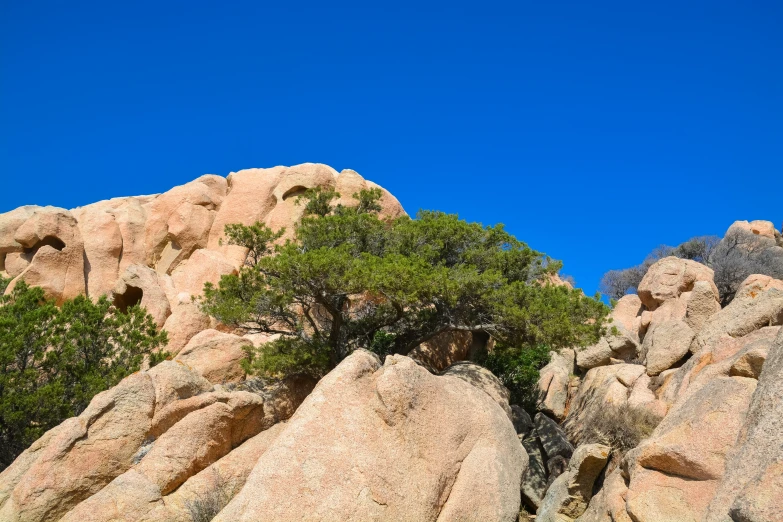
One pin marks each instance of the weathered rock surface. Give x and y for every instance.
(670, 277)
(399, 462)
(136, 444)
(553, 383)
(216, 356)
(569, 494)
(665, 344)
(715, 456)
(158, 251)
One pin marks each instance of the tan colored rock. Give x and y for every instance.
(200, 439)
(85, 454)
(185, 321)
(623, 346)
(701, 305)
(553, 383)
(179, 221)
(741, 317)
(140, 285)
(250, 199)
(757, 227)
(608, 505)
(294, 182)
(757, 284)
(693, 439)
(675, 473)
(666, 344)
(322, 467)
(102, 247)
(751, 487)
(569, 494)
(627, 311)
(204, 266)
(131, 219)
(602, 387)
(174, 381)
(350, 182)
(15, 263)
(55, 250)
(216, 356)
(484, 380)
(221, 480)
(670, 277)
(9, 222)
(657, 497)
(442, 351)
(128, 498)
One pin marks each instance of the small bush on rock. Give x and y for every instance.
(620, 428)
(203, 508)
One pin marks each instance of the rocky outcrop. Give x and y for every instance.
(135, 445)
(712, 375)
(159, 251)
(366, 445)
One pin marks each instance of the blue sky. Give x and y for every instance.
(594, 130)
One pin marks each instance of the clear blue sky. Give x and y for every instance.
(594, 130)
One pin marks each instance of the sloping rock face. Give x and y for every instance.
(712, 376)
(160, 250)
(137, 444)
(367, 445)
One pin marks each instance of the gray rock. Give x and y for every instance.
(552, 437)
(523, 424)
(534, 481)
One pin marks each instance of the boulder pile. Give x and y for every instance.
(709, 377)
(675, 415)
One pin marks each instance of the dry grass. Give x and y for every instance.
(203, 508)
(620, 428)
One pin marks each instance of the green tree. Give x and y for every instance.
(54, 360)
(518, 370)
(349, 279)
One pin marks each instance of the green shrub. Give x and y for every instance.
(54, 360)
(518, 370)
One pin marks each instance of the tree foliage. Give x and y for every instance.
(54, 360)
(349, 279)
(518, 370)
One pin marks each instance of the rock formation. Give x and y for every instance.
(160, 250)
(676, 414)
(710, 375)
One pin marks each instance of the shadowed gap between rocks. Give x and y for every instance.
(130, 298)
